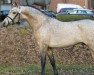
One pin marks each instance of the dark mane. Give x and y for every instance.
(38, 10)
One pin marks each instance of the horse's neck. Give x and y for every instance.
(35, 21)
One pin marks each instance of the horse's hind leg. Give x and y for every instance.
(52, 61)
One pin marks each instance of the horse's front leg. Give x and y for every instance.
(52, 61)
(43, 60)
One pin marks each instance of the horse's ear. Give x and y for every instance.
(15, 4)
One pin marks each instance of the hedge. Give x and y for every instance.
(68, 18)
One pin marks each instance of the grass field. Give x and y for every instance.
(35, 70)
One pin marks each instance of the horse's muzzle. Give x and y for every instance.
(4, 24)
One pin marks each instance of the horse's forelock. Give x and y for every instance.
(15, 9)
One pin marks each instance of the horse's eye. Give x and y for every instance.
(14, 12)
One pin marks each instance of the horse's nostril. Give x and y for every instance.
(4, 24)
(18, 22)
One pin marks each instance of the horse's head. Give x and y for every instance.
(22, 12)
(13, 16)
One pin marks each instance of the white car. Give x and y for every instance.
(61, 6)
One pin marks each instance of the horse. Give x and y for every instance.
(50, 32)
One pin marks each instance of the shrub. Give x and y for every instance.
(68, 18)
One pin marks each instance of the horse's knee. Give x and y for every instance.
(43, 59)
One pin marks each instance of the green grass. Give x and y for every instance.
(35, 70)
(22, 70)
(68, 18)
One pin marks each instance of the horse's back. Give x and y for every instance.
(66, 33)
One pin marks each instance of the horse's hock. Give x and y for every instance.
(17, 47)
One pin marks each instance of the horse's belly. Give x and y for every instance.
(63, 42)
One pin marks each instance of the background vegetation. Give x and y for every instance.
(68, 18)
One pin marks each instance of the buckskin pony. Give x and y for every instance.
(50, 32)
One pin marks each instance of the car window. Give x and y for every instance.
(89, 12)
(81, 12)
(66, 10)
(84, 12)
(72, 12)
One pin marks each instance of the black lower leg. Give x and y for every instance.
(43, 62)
(52, 61)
